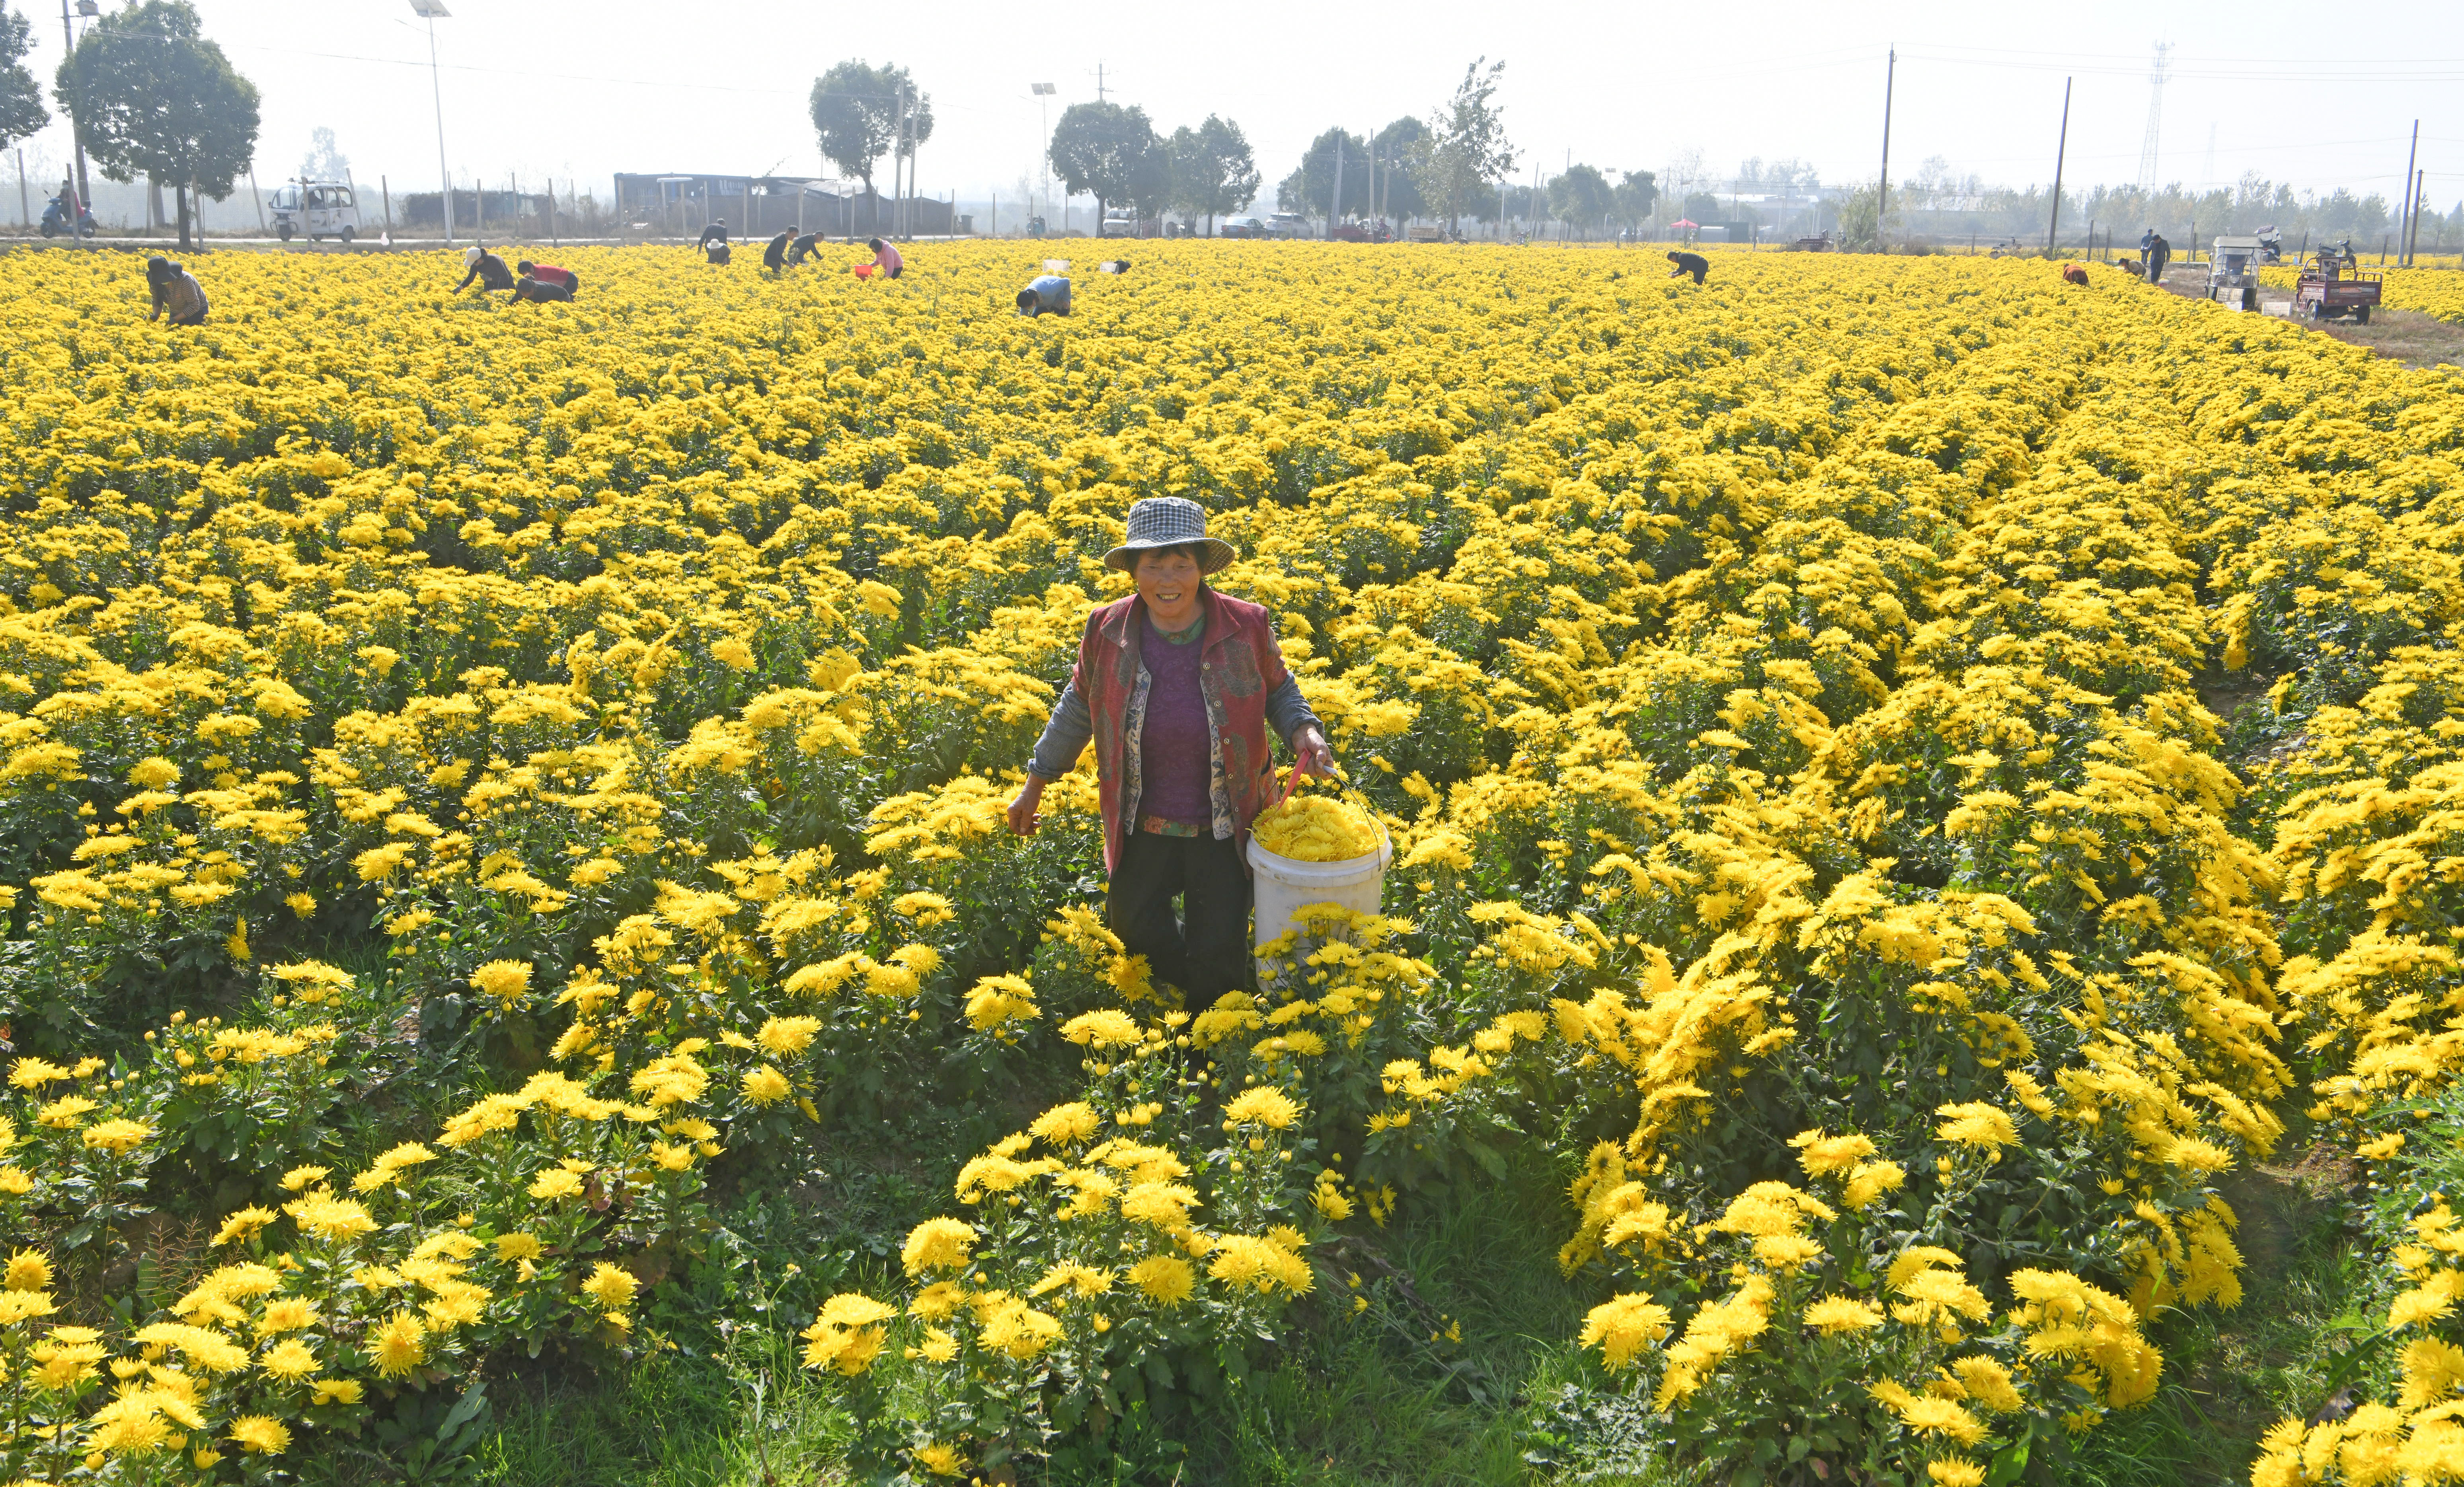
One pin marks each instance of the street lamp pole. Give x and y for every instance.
(1043, 91)
(430, 11)
(76, 129)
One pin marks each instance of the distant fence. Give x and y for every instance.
(508, 213)
(756, 207)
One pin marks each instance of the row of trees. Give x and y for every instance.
(862, 113)
(1929, 207)
(1113, 154)
(1410, 168)
(147, 96)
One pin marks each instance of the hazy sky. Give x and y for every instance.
(584, 88)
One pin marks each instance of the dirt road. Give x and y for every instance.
(2407, 336)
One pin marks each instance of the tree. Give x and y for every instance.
(856, 108)
(1314, 182)
(152, 95)
(1636, 196)
(1108, 152)
(1582, 196)
(1684, 172)
(323, 160)
(1150, 184)
(1213, 169)
(1468, 153)
(21, 97)
(1398, 193)
(1862, 227)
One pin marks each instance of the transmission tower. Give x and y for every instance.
(2155, 118)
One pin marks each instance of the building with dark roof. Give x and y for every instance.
(680, 204)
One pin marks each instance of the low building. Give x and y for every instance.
(680, 204)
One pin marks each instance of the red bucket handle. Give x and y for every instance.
(1291, 782)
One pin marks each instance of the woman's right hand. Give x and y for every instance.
(1021, 807)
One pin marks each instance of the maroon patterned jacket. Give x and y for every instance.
(1246, 687)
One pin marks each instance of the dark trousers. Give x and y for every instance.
(1204, 949)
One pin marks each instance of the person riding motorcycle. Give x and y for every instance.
(56, 218)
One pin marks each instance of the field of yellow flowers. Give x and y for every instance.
(484, 788)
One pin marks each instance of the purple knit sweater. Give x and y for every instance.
(1173, 748)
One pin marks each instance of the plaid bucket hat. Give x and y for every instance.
(1168, 521)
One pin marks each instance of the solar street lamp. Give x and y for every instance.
(430, 11)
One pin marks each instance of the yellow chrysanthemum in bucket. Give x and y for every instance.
(1309, 828)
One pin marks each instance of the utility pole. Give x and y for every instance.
(1371, 137)
(77, 134)
(1334, 207)
(1099, 82)
(2420, 199)
(2412, 157)
(1882, 194)
(2061, 147)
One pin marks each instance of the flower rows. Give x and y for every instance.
(1798, 705)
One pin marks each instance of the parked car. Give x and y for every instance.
(1241, 226)
(1286, 223)
(1349, 233)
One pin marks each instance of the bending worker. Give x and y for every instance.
(540, 291)
(801, 248)
(174, 289)
(487, 268)
(1048, 295)
(1690, 263)
(549, 274)
(886, 261)
(1176, 686)
(774, 257)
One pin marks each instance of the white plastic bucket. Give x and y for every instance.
(1282, 884)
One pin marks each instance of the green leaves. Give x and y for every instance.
(152, 95)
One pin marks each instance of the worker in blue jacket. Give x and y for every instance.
(1048, 295)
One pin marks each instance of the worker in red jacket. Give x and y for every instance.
(2074, 273)
(550, 274)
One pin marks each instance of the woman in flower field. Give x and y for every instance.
(1046, 293)
(176, 289)
(485, 267)
(549, 274)
(1176, 685)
